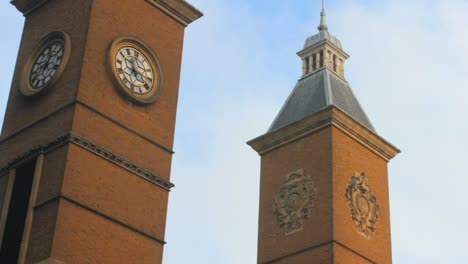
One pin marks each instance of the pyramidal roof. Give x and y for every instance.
(315, 92)
(323, 84)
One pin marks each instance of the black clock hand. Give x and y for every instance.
(139, 77)
(44, 61)
(135, 66)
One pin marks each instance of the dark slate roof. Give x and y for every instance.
(316, 92)
(320, 37)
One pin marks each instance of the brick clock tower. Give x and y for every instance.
(324, 184)
(86, 145)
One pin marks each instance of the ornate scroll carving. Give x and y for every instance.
(294, 201)
(365, 211)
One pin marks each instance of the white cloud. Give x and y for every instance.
(409, 70)
(226, 82)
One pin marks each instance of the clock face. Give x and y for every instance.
(134, 70)
(46, 65)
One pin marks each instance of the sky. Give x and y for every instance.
(408, 68)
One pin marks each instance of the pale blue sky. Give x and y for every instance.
(408, 68)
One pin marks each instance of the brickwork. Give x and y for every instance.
(115, 192)
(89, 208)
(342, 255)
(94, 239)
(50, 186)
(42, 232)
(350, 157)
(331, 156)
(313, 154)
(165, 37)
(323, 254)
(42, 132)
(21, 111)
(136, 148)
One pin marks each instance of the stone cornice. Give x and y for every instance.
(325, 43)
(27, 6)
(180, 10)
(34, 152)
(95, 149)
(330, 116)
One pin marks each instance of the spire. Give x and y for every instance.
(323, 19)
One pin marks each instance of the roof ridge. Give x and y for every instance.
(328, 91)
(284, 105)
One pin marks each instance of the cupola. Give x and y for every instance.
(323, 50)
(322, 83)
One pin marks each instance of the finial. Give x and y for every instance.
(323, 18)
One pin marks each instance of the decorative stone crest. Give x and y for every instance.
(365, 211)
(294, 201)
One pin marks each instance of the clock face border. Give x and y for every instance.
(25, 86)
(139, 45)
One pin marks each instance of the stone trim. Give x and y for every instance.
(30, 212)
(330, 116)
(180, 10)
(87, 107)
(121, 161)
(330, 242)
(107, 217)
(366, 137)
(329, 51)
(90, 108)
(50, 261)
(39, 120)
(27, 6)
(95, 149)
(35, 151)
(325, 44)
(6, 203)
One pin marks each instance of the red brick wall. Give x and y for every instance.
(71, 17)
(313, 154)
(91, 210)
(349, 157)
(164, 35)
(331, 158)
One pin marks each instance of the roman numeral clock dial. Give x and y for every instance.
(46, 63)
(136, 71)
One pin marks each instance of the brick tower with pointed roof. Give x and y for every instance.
(324, 185)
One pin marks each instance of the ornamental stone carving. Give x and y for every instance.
(365, 211)
(294, 201)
